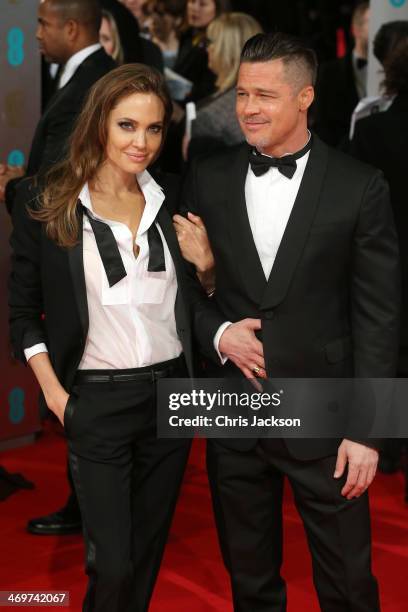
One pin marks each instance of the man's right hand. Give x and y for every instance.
(239, 343)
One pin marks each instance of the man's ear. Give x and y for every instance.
(72, 29)
(306, 97)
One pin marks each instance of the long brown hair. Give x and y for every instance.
(63, 182)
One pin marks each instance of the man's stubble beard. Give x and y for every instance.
(259, 143)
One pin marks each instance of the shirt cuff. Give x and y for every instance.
(217, 339)
(35, 350)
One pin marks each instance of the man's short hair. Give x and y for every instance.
(86, 12)
(300, 61)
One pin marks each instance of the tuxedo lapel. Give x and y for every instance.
(298, 227)
(76, 265)
(245, 253)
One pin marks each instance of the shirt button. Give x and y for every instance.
(269, 314)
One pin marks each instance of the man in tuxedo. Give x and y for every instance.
(68, 34)
(307, 285)
(342, 83)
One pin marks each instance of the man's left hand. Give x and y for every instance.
(362, 466)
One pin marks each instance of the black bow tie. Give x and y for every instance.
(109, 250)
(361, 63)
(286, 165)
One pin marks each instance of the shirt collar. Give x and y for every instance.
(75, 61)
(153, 195)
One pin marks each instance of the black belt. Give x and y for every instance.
(147, 373)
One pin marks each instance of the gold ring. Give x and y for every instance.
(256, 370)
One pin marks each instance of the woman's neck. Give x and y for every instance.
(112, 180)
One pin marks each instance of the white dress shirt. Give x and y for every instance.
(74, 62)
(269, 201)
(131, 324)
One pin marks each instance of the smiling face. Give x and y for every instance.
(272, 110)
(200, 13)
(134, 133)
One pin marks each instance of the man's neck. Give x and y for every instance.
(289, 146)
(80, 46)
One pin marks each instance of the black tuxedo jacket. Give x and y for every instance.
(330, 307)
(381, 140)
(56, 123)
(336, 99)
(47, 291)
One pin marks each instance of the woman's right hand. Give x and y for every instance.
(57, 404)
(54, 393)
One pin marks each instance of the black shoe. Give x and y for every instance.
(57, 523)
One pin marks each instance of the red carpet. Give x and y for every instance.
(192, 576)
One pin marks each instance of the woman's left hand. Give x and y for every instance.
(193, 241)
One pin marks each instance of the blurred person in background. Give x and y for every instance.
(135, 7)
(197, 80)
(120, 37)
(68, 35)
(216, 124)
(192, 59)
(381, 140)
(164, 19)
(387, 38)
(342, 83)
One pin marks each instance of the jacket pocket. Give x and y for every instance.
(338, 350)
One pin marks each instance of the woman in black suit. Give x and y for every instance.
(95, 274)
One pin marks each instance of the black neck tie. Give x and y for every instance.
(361, 63)
(286, 165)
(109, 250)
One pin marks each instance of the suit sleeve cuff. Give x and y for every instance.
(35, 350)
(217, 339)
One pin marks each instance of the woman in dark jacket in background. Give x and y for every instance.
(192, 60)
(120, 36)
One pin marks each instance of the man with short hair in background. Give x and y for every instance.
(68, 35)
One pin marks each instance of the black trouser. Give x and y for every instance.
(247, 489)
(127, 482)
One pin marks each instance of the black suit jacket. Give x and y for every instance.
(56, 123)
(336, 99)
(47, 291)
(331, 305)
(381, 140)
